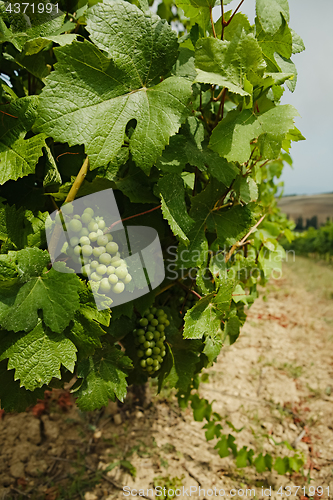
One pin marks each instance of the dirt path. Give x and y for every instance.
(276, 381)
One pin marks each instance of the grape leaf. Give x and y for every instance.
(227, 64)
(86, 85)
(174, 209)
(232, 136)
(271, 43)
(20, 228)
(37, 356)
(271, 14)
(18, 156)
(12, 396)
(55, 292)
(202, 319)
(178, 368)
(104, 377)
(86, 330)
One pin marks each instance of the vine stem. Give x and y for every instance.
(243, 240)
(70, 197)
(131, 217)
(211, 20)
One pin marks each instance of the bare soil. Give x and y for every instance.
(276, 381)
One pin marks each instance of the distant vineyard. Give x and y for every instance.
(314, 242)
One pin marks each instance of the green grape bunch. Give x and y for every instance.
(150, 339)
(96, 251)
(186, 301)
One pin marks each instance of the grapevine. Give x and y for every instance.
(189, 133)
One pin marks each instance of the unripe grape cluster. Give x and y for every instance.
(95, 251)
(150, 339)
(186, 302)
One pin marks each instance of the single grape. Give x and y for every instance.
(86, 218)
(84, 240)
(89, 211)
(149, 352)
(113, 279)
(118, 287)
(155, 362)
(127, 279)
(142, 321)
(75, 225)
(150, 317)
(118, 262)
(94, 264)
(159, 344)
(153, 322)
(76, 216)
(67, 209)
(149, 336)
(151, 328)
(140, 332)
(93, 236)
(110, 269)
(87, 250)
(105, 285)
(101, 269)
(140, 353)
(160, 312)
(105, 258)
(156, 335)
(153, 310)
(102, 240)
(156, 350)
(160, 328)
(77, 250)
(143, 363)
(110, 237)
(74, 241)
(121, 272)
(142, 339)
(149, 361)
(146, 344)
(101, 224)
(112, 247)
(99, 232)
(92, 226)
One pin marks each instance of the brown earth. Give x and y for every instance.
(276, 381)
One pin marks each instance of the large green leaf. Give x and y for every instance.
(90, 98)
(37, 356)
(54, 293)
(232, 136)
(19, 156)
(226, 63)
(271, 13)
(104, 378)
(12, 396)
(20, 228)
(271, 43)
(174, 208)
(202, 319)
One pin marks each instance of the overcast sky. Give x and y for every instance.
(313, 98)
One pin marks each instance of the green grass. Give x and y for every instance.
(314, 276)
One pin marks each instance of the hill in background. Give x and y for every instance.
(308, 210)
